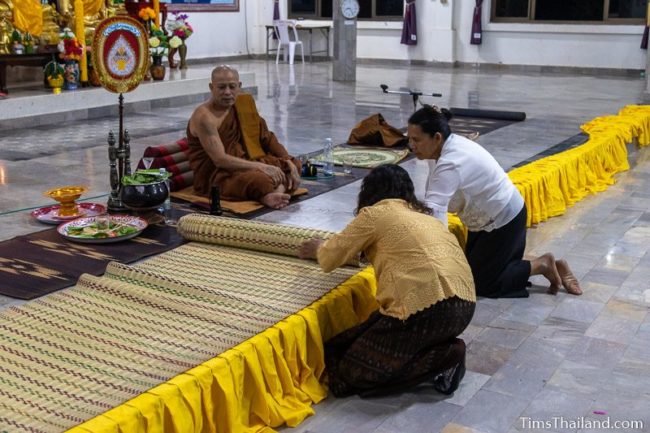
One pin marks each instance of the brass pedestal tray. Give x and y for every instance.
(67, 209)
(66, 196)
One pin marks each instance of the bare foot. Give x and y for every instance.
(545, 265)
(569, 281)
(275, 200)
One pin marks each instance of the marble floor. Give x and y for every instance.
(543, 364)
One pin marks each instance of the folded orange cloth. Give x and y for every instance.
(237, 207)
(249, 123)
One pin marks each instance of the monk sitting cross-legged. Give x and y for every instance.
(231, 147)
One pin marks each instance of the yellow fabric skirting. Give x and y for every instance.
(269, 380)
(550, 185)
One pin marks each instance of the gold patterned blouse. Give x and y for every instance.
(417, 261)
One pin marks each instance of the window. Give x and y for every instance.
(378, 10)
(593, 11)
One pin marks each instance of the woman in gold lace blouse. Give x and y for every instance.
(425, 293)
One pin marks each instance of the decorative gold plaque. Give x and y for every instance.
(120, 53)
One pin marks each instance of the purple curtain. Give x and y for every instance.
(276, 13)
(644, 39)
(410, 28)
(477, 30)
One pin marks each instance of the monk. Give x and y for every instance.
(231, 147)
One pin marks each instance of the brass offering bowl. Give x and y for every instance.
(66, 196)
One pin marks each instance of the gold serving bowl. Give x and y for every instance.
(66, 196)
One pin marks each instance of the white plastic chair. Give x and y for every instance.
(281, 28)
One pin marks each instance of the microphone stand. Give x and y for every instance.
(415, 95)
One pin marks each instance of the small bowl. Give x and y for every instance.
(66, 196)
(144, 197)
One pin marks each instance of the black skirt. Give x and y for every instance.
(496, 259)
(385, 355)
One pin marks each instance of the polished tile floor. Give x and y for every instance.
(544, 364)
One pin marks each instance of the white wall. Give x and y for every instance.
(443, 33)
(435, 36)
(220, 34)
(598, 46)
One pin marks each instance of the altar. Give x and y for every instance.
(40, 106)
(36, 59)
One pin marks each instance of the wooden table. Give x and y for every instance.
(324, 29)
(36, 59)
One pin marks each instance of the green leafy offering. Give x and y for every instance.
(145, 177)
(92, 231)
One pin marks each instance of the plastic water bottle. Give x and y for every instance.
(328, 157)
(167, 205)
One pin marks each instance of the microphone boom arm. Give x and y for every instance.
(415, 95)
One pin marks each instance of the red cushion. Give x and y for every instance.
(167, 149)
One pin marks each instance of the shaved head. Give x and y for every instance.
(221, 69)
(224, 87)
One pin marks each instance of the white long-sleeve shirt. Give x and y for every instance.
(467, 180)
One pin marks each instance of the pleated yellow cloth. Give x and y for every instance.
(640, 114)
(550, 185)
(269, 380)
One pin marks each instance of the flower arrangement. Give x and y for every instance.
(16, 37)
(69, 47)
(158, 42)
(147, 15)
(28, 42)
(17, 46)
(53, 70)
(179, 27)
(175, 42)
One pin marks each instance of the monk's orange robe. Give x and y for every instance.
(240, 184)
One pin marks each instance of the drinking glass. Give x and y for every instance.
(147, 161)
(346, 162)
(103, 222)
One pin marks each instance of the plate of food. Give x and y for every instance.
(102, 229)
(51, 215)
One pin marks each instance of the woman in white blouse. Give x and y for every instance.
(464, 178)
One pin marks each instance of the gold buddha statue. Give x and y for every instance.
(51, 25)
(66, 13)
(6, 25)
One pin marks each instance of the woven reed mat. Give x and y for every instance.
(255, 235)
(235, 207)
(74, 354)
(40, 263)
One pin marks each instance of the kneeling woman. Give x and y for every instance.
(425, 293)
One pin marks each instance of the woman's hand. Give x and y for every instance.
(309, 248)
